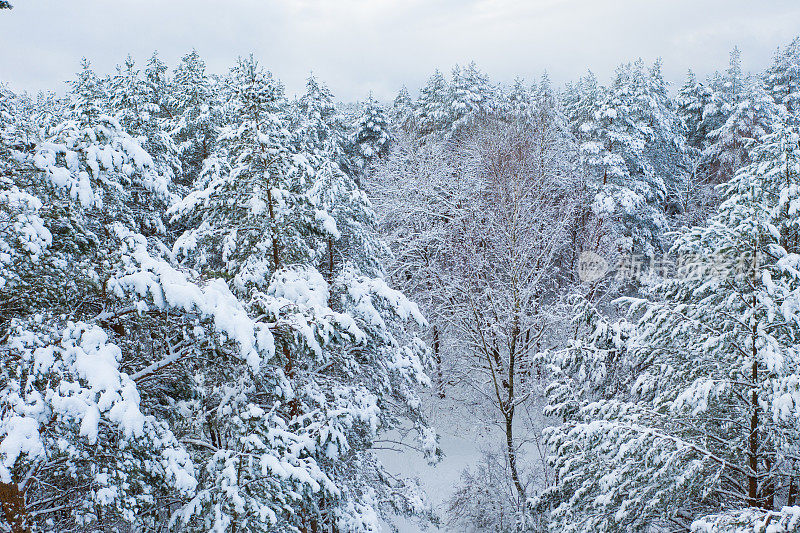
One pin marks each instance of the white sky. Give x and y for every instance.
(360, 45)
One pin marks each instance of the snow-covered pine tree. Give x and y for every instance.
(370, 138)
(157, 87)
(126, 96)
(432, 110)
(782, 78)
(579, 100)
(517, 102)
(734, 80)
(754, 116)
(634, 147)
(79, 448)
(320, 126)
(471, 99)
(87, 141)
(88, 94)
(320, 133)
(401, 115)
(688, 414)
(194, 115)
(701, 110)
(249, 213)
(23, 236)
(137, 103)
(342, 358)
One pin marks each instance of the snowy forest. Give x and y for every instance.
(226, 308)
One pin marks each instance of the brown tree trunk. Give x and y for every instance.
(768, 496)
(13, 502)
(275, 252)
(752, 478)
(294, 405)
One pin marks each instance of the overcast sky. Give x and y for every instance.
(360, 45)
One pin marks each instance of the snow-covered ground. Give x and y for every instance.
(460, 439)
(463, 436)
(461, 449)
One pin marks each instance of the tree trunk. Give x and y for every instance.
(752, 478)
(13, 502)
(330, 259)
(768, 496)
(509, 407)
(512, 456)
(275, 251)
(437, 355)
(294, 405)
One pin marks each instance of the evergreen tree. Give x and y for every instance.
(88, 95)
(518, 102)
(471, 98)
(137, 104)
(126, 97)
(752, 118)
(371, 137)
(401, 115)
(734, 79)
(267, 217)
(79, 449)
(432, 109)
(249, 214)
(782, 78)
(194, 120)
(690, 410)
(580, 100)
(157, 86)
(321, 128)
(701, 111)
(637, 158)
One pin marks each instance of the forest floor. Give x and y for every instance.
(463, 437)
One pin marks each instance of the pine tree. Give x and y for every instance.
(321, 127)
(637, 158)
(752, 118)
(401, 115)
(689, 410)
(79, 449)
(267, 217)
(471, 98)
(518, 102)
(701, 111)
(734, 79)
(249, 215)
(137, 103)
(157, 86)
(370, 139)
(579, 101)
(782, 78)
(194, 120)
(432, 109)
(88, 95)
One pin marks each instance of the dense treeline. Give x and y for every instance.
(609, 273)
(198, 328)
